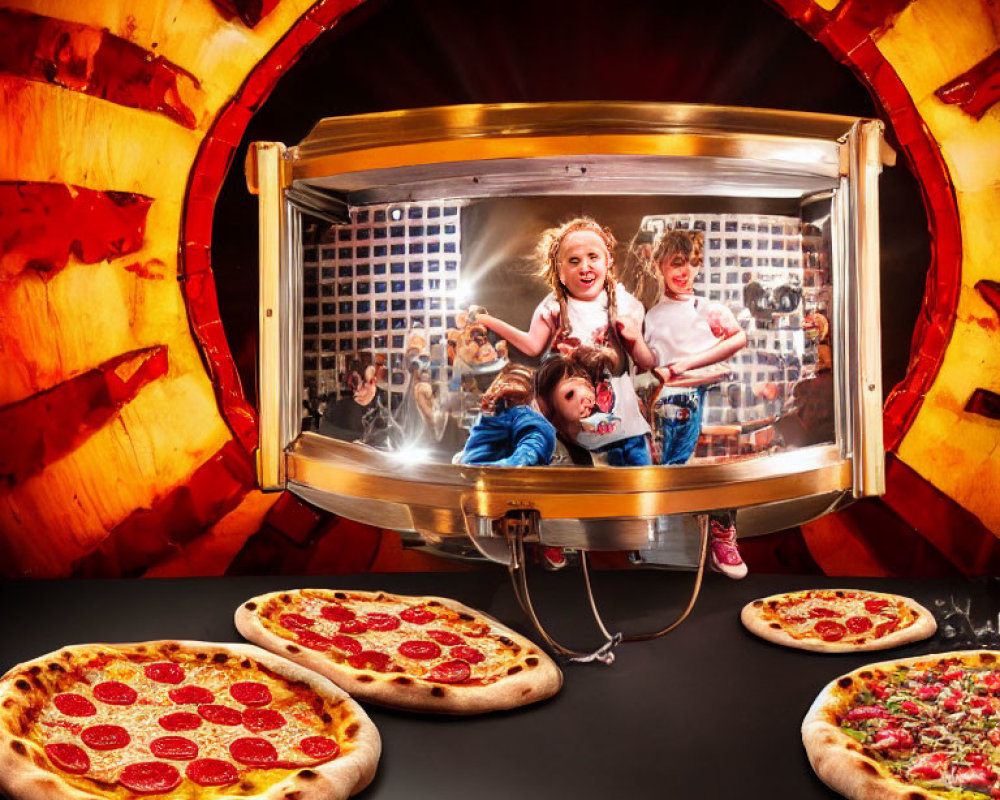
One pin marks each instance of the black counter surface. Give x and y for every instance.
(708, 711)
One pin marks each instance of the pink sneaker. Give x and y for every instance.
(725, 553)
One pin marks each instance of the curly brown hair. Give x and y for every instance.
(690, 244)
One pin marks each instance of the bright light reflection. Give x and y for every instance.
(411, 454)
(465, 293)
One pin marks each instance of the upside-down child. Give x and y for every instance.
(586, 307)
(684, 333)
(510, 431)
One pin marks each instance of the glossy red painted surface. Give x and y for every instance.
(207, 174)
(977, 90)
(42, 223)
(43, 428)
(984, 403)
(93, 61)
(174, 519)
(847, 33)
(249, 12)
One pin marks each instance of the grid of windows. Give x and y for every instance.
(770, 271)
(367, 284)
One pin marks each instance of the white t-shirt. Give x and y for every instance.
(589, 322)
(680, 328)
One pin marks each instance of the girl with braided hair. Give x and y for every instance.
(587, 307)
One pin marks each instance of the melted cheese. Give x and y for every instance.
(499, 651)
(798, 613)
(141, 719)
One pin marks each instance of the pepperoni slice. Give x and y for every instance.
(449, 672)
(263, 719)
(369, 659)
(415, 648)
(74, 705)
(336, 613)
(68, 757)
(353, 626)
(823, 611)
(220, 715)
(180, 721)
(466, 653)
(211, 772)
(174, 748)
(829, 631)
(885, 627)
(296, 621)
(164, 672)
(382, 622)
(319, 747)
(868, 712)
(446, 638)
(875, 606)
(858, 624)
(347, 644)
(417, 615)
(191, 695)
(253, 752)
(115, 693)
(105, 737)
(150, 777)
(313, 641)
(250, 693)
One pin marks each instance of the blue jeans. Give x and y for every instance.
(678, 415)
(630, 452)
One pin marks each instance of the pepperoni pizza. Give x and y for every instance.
(911, 729)
(182, 720)
(417, 653)
(838, 620)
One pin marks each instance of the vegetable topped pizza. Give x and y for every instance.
(914, 728)
(838, 620)
(417, 653)
(179, 719)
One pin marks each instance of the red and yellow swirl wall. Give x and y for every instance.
(125, 436)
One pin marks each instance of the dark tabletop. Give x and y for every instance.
(708, 711)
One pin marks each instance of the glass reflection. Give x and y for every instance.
(418, 314)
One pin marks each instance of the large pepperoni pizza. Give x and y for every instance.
(180, 720)
(418, 653)
(838, 620)
(911, 729)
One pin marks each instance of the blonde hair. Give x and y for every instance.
(548, 252)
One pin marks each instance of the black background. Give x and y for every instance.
(707, 712)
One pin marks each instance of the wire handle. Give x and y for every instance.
(516, 526)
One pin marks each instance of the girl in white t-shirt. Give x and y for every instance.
(683, 333)
(587, 307)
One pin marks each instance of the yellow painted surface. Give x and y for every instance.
(155, 444)
(933, 41)
(956, 451)
(89, 313)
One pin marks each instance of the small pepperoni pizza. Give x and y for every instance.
(417, 653)
(838, 620)
(177, 719)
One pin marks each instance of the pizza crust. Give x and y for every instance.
(923, 627)
(839, 760)
(25, 775)
(534, 676)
